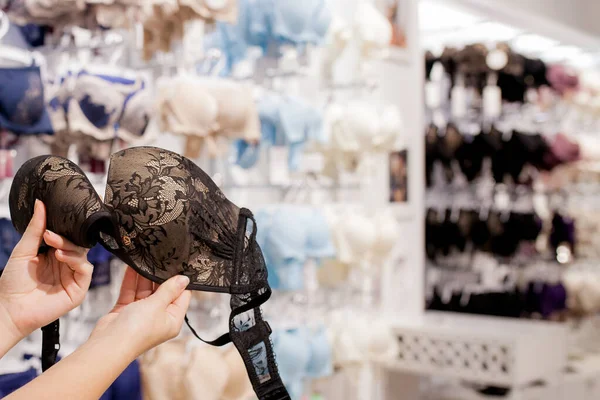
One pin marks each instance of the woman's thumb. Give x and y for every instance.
(30, 243)
(170, 290)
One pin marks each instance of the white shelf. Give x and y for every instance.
(486, 350)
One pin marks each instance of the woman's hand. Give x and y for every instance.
(37, 289)
(146, 314)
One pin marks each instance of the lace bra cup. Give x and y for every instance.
(96, 104)
(74, 207)
(22, 103)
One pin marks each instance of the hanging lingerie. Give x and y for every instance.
(22, 104)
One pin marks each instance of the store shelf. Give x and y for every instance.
(486, 350)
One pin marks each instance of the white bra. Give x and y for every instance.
(357, 339)
(360, 127)
(369, 29)
(360, 238)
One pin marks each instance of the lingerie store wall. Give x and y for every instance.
(399, 82)
(396, 80)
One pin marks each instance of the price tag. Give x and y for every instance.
(312, 162)
(492, 101)
(459, 102)
(278, 166)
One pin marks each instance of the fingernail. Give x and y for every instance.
(49, 232)
(183, 281)
(37, 205)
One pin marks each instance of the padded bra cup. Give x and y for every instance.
(22, 104)
(302, 354)
(358, 235)
(202, 107)
(290, 235)
(146, 218)
(97, 102)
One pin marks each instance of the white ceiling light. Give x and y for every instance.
(584, 61)
(435, 16)
(532, 44)
(561, 53)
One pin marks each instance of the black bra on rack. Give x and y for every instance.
(163, 216)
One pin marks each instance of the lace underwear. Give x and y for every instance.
(163, 216)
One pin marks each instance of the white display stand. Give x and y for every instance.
(484, 350)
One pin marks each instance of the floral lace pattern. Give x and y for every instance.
(50, 179)
(168, 220)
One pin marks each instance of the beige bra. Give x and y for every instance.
(164, 20)
(180, 370)
(205, 109)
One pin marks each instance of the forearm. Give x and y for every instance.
(9, 334)
(85, 374)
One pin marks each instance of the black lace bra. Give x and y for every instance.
(163, 216)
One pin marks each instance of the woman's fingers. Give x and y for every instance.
(179, 307)
(144, 288)
(170, 290)
(58, 242)
(128, 287)
(30, 243)
(80, 268)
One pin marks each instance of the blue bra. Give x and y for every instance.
(289, 22)
(9, 237)
(290, 235)
(302, 354)
(104, 116)
(285, 121)
(22, 104)
(269, 24)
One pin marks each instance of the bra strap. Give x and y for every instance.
(50, 344)
(255, 348)
(218, 342)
